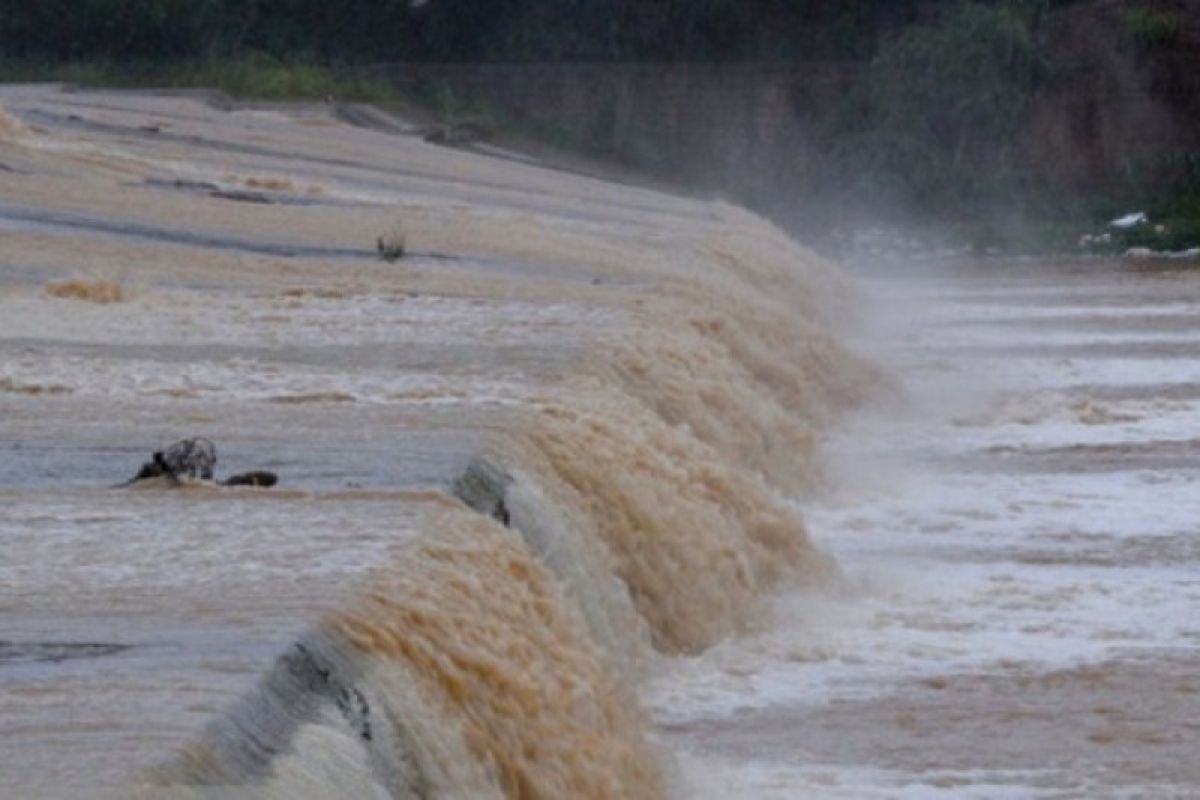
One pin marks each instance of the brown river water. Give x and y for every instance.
(596, 492)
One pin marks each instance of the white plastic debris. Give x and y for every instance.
(1090, 240)
(1191, 252)
(1130, 219)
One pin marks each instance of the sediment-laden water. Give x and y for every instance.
(543, 451)
(1018, 538)
(588, 495)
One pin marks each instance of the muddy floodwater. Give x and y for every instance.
(1021, 548)
(597, 491)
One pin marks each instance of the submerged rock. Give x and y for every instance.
(482, 486)
(253, 478)
(194, 459)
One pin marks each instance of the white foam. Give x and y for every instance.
(957, 564)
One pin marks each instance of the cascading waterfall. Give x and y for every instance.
(500, 654)
(627, 385)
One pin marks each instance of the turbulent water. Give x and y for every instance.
(1019, 617)
(587, 495)
(542, 450)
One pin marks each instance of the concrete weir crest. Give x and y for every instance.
(331, 713)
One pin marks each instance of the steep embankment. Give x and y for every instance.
(548, 442)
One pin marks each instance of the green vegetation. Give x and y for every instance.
(936, 120)
(366, 31)
(1170, 235)
(935, 113)
(934, 123)
(1153, 27)
(247, 76)
(1167, 190)
(1181, 196)
(142, 30)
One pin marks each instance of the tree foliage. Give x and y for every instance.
(938, 111)
(451, 30)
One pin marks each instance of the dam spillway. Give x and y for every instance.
(570, 505)
(640, 378)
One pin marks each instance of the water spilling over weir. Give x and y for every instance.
(545, 449)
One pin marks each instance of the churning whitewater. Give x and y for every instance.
(519, 467)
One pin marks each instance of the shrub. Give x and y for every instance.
(1152, 27)
(934, 115)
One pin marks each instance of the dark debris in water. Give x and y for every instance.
(55, 652)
